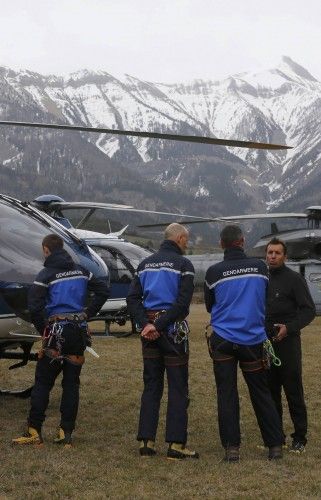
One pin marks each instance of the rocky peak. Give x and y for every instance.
(290, 68)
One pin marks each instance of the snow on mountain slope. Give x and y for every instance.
(280, 105)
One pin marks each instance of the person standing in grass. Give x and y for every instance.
(57, 307)
(158, 301)
(289, 309)
(235, 294)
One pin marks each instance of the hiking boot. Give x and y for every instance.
(63, 437)
(31, 436)
(275, 453)
(232, 454)
(297, 447)
(147, 448)
(177, 451)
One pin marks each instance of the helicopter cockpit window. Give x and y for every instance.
(119, 271)
(131, 255)
(135, 255)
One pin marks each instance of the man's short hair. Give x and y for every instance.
(231, 236)
(53, 242)
(277, 241)
(174, 230)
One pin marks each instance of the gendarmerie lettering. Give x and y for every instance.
(242, 270)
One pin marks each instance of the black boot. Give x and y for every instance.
(232, 454)
(147, 448)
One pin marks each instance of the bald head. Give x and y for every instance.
(177, 233)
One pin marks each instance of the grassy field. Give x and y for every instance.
(104, 462)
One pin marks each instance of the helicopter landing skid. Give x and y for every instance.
(24, 394)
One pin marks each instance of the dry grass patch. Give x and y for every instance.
(104, 462)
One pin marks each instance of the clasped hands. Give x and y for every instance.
(149, 332)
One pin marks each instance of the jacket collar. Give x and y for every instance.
(59, 259)
(172, 246)
(277, 270)
(234, 253)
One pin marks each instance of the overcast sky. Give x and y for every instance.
(163, 40)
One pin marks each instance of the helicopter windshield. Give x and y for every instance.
(133, 253)
(119, 271)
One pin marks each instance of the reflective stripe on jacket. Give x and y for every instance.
(235, 295)
(163, 281)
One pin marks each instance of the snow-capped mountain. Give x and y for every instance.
(280, 105)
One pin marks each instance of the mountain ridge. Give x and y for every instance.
(280, 105)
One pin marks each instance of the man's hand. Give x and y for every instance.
(150, 332)
(282, 332)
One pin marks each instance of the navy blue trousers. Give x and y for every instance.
(46, 373)
(160, 355)
(47, 370)
(226, 358)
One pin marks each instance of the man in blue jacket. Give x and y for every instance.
(159, 300)
(57, 307)
(235, 295)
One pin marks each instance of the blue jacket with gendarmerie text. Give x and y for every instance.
(164, 281)
(235, 295)
(61, 287)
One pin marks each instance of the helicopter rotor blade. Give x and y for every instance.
(195, 221)
(282, 215)
(64, 205)
(153, 135)
(74, 205)
(232, 218)
(192, 219)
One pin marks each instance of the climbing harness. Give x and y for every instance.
(177, 332)
(55, 334)
(181, 331)
(268, 357)
(53, 340)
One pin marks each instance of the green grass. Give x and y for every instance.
(104, 461)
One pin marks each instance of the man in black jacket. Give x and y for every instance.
(158, 301)
(289, 309)
(57, 308)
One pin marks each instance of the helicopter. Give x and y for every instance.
(22, 228)
(303, 246)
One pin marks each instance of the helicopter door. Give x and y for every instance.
(121, 271)
(313, 278)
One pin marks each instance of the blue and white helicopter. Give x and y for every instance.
(22, 228)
